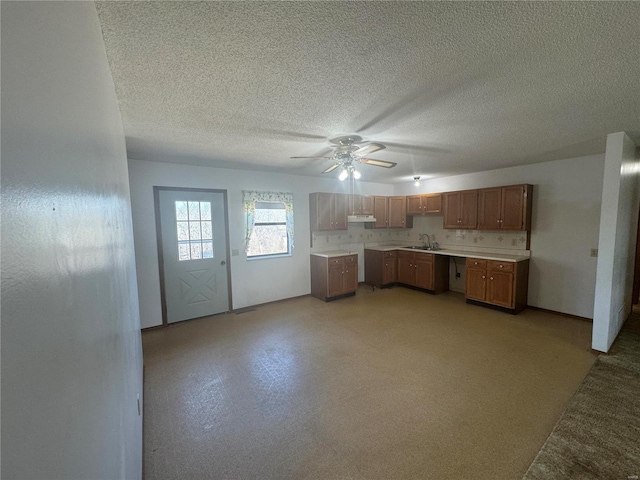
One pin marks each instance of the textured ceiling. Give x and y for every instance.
(449, 87)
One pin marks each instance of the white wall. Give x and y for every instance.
(566, 218)
(252, 281)
(71, 352)
(618, 231)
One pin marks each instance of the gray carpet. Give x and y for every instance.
(598, 435)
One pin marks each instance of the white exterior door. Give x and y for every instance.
(194, 252)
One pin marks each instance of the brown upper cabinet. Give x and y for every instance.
(424, 204)
(390, 212)
(461, 209)
(398, 213)
(328, 211)
(381, 212)
(505, 208)
(361, 204)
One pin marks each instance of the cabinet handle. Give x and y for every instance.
(501, 266)
(475, 263)
(491, 278)
(483, 277)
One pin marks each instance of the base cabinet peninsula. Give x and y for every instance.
(333, 275)
(493, 279)
(414, 269)
(503, 284)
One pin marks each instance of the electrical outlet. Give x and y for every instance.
(594, 252)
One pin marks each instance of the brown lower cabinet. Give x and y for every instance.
(380, 268)
(423, 270)
(503, 284)
(333, 276)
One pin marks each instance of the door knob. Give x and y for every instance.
(223, 262)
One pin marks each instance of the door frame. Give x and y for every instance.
(156, 202)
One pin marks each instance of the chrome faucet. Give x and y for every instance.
(427, 244)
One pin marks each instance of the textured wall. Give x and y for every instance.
(618, 230)
(566, 217)
(71, 351)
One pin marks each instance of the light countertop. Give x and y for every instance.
(486, 255)
(333, 253)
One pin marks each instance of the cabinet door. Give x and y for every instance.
(513, 207)
(350, 280)
(324, 202)
(432, 203)
(341, 208)
(476, 284)
(469, 209)
(389, 273)
(366, 205)
(489, 208)
(424, 270)
(414, 205)
(355, 204)
(335, 281)
(451, 202)
(406, 269)
(397, 212)
(380, 211)
(500, 289)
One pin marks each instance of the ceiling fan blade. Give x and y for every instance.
(377, 163)
(332, 168)
(370, 148)
(310, 157)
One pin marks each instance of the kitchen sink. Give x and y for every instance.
(418, 247)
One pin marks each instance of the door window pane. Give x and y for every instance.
(207, 249)
(183, 231)
(206, 231)
(194, 231)
(181, 211)
(183, 251)
(205, 211)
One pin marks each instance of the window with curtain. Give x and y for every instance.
(269, 223)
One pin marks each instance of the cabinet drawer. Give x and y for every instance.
(477, 263)
(389, 254)
(336, 261)
(403, 254)
(502, 266)
(351, 259)
(424, 257)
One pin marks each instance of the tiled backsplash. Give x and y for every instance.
(432, 226)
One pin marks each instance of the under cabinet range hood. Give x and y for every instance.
(360, 218)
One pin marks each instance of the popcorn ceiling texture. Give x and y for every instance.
(450, 87)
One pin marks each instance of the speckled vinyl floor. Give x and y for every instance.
(391, 384)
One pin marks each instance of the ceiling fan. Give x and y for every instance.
(348, 152)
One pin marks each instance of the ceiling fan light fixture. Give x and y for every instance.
(356, 174)
(343, 175)
(416, 180)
